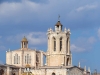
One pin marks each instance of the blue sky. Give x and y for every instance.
(32, 18)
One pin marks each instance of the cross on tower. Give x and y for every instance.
(58, 17)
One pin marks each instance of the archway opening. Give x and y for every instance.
(1, 72)
(67, 62)
(53, 73)
(13, 74)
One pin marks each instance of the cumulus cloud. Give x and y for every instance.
(75, 48)
(28, 11)
(91, 40)
(82, 44)
(34, 38)
(86, 7)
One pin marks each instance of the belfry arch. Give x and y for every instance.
(61, 44)
(67, 62)
(54, 43)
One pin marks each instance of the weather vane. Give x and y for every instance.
(58, 17)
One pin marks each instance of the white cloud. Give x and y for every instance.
(75, 48)
(14, 38)
(12, 13)
(28, 8)
(86, 7)
(91, 40)
(83, 44)
(34, 38)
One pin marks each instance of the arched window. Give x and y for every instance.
(54, 44)
(27, 58)
(30, 59)
(53, 73)
(60, 43)
(16, 59)
(67, 62)
(19, 60)
(64, 60)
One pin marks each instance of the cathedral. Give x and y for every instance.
(26, 61)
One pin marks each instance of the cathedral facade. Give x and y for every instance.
(58, 57)
(23, 56)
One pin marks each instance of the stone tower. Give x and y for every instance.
(58, 53)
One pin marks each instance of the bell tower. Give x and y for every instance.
(24, 44)
(58, 52)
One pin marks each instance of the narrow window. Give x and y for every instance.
(60, 44)
(24, 45)
(67, 62)
(30, 59)
(64, 60)
(14, 59)
(25, 59)
(54, 44)
(19, 59)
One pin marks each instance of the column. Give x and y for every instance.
(23, 44)
(41, 59)
(27, 44)
(34, 59)
(48, 43)
(19, 71)
(8, 70)
(68, 46)
(64, 48)
(51, 44)
(57, 45)
(71, 59)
